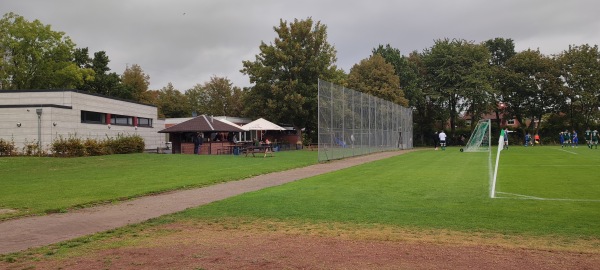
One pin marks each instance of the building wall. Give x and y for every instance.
(61, 116)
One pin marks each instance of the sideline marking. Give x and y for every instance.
(526, 197)
(566, 151)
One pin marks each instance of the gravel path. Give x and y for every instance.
(20, 234)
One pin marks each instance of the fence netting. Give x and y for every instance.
(352, 123)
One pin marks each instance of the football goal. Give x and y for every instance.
(481, 139)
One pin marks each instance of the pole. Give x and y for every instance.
(39, 114)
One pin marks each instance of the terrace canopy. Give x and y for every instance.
(261, 124)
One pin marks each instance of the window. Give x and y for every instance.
(121, 120)
(93, 117)
(510, 122)
(144, 122)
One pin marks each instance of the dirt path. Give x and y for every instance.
(24, 233)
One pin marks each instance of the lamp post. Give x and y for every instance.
(39, 114)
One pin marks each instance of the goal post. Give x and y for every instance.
(481, 139)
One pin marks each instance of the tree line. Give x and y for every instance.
(452, 79)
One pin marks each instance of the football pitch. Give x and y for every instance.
(549, 173)
(542, 191)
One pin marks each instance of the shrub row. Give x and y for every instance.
(78, 147)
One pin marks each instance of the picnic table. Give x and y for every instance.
(260, 149)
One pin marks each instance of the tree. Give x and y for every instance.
(104, 83)
(580, 72)
(216, 97)
(457, 71)
(136, 82)
(376, 77)
(532, 86)
(501, 51)
(172, 103)
(36, 57)
(285, 74)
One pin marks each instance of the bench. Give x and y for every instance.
(263, 149)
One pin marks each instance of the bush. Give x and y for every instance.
(7, 148)
(126, 144)
(70, 147)
(32, 149)
(94, 147)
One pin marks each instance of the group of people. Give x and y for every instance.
(567, 138)
(529, 142)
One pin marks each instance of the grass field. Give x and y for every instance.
(441, 190)
(545, 190)
(35, 185)
(550, 173)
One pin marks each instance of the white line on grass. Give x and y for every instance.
(567, 151)
(526, 197)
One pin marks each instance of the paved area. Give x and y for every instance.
(20, 234)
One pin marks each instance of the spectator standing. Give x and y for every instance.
(198, 140)
(442, 136)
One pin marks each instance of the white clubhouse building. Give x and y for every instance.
(41, 116)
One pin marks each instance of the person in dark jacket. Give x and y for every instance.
(198, 140)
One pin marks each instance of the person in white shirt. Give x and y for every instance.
(442, 140)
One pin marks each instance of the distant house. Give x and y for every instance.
(505, 119)
(42, 116)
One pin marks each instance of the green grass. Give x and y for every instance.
(438, 190)
(36, 185)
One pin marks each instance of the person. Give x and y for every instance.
(595, 138)
(235, 139)
(506, 138)
(567, 138)
(536, 138)
(574, 140)
(436, 139)
(442, 136)
(527, 139)
(561, 139)
(198, 140)
(588, 137)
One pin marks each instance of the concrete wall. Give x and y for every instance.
(61, 116)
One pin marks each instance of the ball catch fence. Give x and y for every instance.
(352, 123)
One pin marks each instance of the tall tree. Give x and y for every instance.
(33, 56)
(172, 103)
(533, 87)
(501, 51)
(580, 71)
(136, 82)
(458, 72)
(376, 77)
(285, 74)
(216, 97)
(409, 69)
(105, 83)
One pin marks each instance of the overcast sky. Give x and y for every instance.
(185, 42)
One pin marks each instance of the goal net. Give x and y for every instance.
(480, 140)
